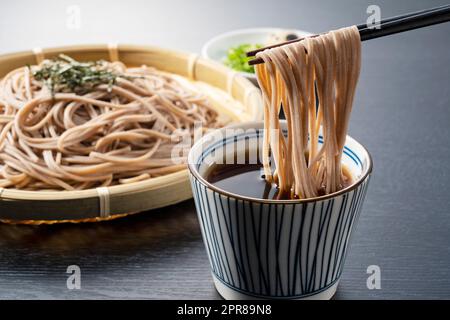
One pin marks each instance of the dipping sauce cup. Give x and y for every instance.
(274, 249)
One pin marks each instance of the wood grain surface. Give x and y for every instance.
(401, 114)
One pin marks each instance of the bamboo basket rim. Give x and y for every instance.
(148, 184)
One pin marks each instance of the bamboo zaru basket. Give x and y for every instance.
(234, 97)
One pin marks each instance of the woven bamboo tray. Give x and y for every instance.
(234, 97)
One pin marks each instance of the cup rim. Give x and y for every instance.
(254, 124)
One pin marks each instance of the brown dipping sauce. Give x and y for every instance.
(248, 180)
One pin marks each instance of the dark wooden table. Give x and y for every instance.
(401, 113)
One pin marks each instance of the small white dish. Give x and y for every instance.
(216, 49)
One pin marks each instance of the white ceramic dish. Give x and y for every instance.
(216, 48)
(274, 249)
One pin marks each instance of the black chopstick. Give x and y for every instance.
(406, 22)
(402, 16)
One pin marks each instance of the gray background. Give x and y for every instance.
(401, 114)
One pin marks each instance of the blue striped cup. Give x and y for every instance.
(274, 249)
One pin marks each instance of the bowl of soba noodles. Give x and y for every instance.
(277, 200)
(96, 132)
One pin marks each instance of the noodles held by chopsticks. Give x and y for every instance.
(289, 77)
(66, 125)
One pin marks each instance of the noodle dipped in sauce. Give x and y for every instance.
(289, 79)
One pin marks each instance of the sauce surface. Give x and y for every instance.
(248, 180)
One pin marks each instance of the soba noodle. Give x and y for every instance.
(118, 132)
(289, 78)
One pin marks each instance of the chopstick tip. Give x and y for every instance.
(255, 61)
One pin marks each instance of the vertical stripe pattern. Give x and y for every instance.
(286, 250)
